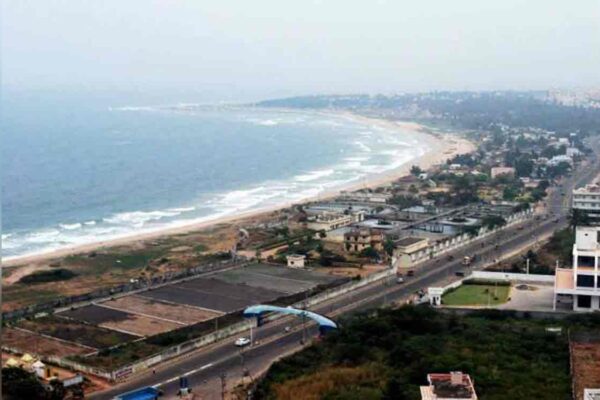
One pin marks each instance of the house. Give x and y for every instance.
(409, 250)
(581, 283)
(452, 386)
(328, 222)
(562, 158)
(572, 152)
(357, 240)
(296, 260)
(502, 171)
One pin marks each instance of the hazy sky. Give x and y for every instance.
(253, 48)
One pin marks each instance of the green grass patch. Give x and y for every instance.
(53, 275)
(476, 294)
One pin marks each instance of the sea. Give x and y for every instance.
(78, 169)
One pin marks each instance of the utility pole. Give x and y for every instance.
(223, 385)
(527, 265)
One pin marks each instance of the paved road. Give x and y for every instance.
(205, 367)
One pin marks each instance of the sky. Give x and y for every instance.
(242, 49)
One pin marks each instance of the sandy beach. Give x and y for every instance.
(441, 147)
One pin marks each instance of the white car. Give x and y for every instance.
(241, 342)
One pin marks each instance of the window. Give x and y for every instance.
(585, 281)
(585, 261)
(584, 301)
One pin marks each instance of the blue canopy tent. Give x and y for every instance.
(325, 324)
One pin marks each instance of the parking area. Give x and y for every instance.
(529, 297)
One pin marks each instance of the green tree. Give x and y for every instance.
(20, 384)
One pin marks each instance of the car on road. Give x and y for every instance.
(242, 342)
(459, 273)
(399, 280)
(411, 272)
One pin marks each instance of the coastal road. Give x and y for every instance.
(206, 368)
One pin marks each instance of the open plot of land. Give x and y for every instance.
(585, 356)
(177, 294)
(242, 292)
(76, 332)
(18, 339)
(476, 295)
(528, 297)
(155, 308)
(134, 324)
(256, 278)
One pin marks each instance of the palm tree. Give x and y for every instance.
(578, 217)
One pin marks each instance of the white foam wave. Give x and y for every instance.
(362, 146)
(139, 218)
(267, 122)
(70, 227)
(314, 175)
(89, 223)
(182, 209)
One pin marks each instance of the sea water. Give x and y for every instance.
(77, 171)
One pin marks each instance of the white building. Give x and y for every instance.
(587, 199)
(581, 283)
(328, 222)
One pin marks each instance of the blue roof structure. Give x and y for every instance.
(147, 393)
(256, 311)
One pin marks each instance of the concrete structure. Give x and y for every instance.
(452, 386)
(591, 394)
(329, 222)
(502, 171)
(587, 199)
(582, 281)
(356, 240)
(367, 197)
(408, 250)
(296, 260)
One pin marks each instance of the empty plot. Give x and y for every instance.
(243, 292)
(87, 335)
(182, 295)
(27, 341)
(291, 273)
(95, 314)
(260, 280)
(134, 324)
(156, 308)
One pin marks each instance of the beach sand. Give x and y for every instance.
(441, 147)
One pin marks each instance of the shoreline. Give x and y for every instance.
(440, 148)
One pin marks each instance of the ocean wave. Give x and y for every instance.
(267, 122)
(70, 227)
(181, 209)
(363, 146)
(139, 218)
(314, 175)
(89, 223)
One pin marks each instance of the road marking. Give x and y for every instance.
(191, 372)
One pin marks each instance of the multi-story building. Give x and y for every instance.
(587, 199)
(581, 283)
(356, 240)
(452, 386)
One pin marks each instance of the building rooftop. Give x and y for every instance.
(454, 385)
(407, 241)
